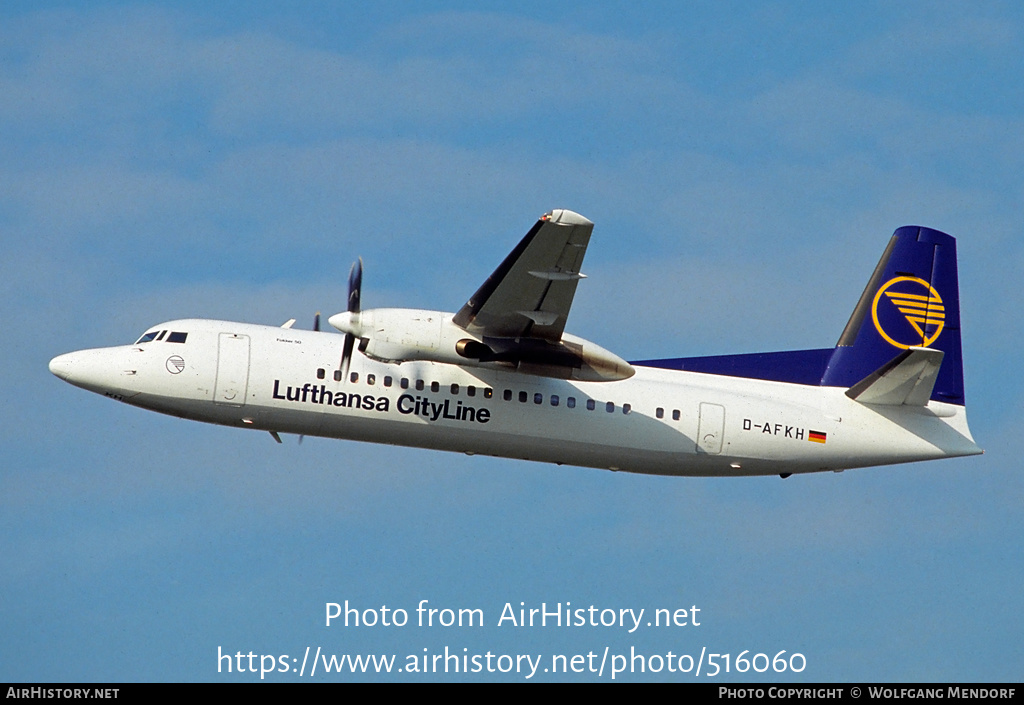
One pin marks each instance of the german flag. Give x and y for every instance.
(816, 436)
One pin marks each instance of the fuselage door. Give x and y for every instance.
(711, 430)
(232, 369)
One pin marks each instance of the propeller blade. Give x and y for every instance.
(346, 354)
(355, 285)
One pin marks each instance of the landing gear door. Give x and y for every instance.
(232, 369)
(711, 431)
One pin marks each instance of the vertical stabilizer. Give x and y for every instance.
(911, 301)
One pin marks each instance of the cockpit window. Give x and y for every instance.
(163, 335)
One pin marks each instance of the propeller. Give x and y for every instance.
(355, 286)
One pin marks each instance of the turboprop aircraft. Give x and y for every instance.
(501, 377)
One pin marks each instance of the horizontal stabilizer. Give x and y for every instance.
(907, 379)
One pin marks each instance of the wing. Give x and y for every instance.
(530, 293)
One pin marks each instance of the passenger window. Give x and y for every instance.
(387, 381)
(571, 402)
(320, 374)
(538, 398)
(507, 395)
(660, 413)
(523, 396)
(354, 377)
(626, 408)
(675, 414)
(609, 407)
(488, 393)
(337, 375)
(554, 400)
(591, 405)
(470, 391)
(404, 384)
(455, 389)
(370, 379)
(435, 386)
(419, 385)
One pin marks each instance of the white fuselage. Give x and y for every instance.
(659, 421)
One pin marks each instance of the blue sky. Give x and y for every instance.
(744, 163)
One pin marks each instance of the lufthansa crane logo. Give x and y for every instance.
(920, 305)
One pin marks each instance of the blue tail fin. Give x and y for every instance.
(912, 300)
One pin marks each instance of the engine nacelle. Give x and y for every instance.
(584, 361)
(401, 335)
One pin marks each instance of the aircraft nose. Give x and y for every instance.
(100, 370)
(61, 366)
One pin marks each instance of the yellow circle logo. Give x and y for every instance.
(920, 305)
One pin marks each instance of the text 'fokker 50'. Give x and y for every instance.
(501, 377)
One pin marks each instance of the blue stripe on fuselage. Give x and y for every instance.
(794, 366)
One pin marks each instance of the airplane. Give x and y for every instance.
(501, 377)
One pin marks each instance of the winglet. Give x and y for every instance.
(907, 379)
